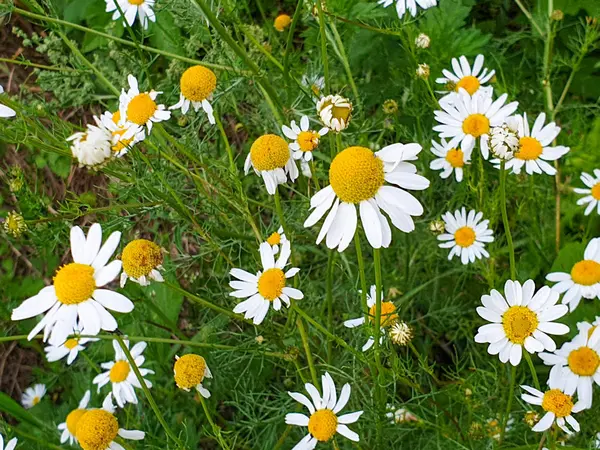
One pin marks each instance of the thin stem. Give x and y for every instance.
(344, 59)
(536, 381)
(529, 17)
(509, 240)
(309, 357)
(324, 58)
(377, 347)
(511, 394)
(215, 428)
(329, 296)
(37, 66)
(290, 37)
(362, 275)
(279, 210)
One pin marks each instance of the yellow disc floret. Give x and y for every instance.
(74, 283)
(557, 402)
(119, 372)
(136, 2)
(529, 148)
(323, 424)
(308, 140)
(271, 284)
(140, 257)
(282, 22)
(464, 236)
(469, 83)
(596, 191)
(274, 239)
(519, 322)
(388, 314)
(198, 83)
(586, 272)
(476, 125)
(73, 420)
(269, 152)
(141, 108)
(96, 429)
(356, 174)
(584, 361)
(71, 343)
(189, 371)
(455, 157)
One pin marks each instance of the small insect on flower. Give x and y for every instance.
(69, 426)
(282, 21)
(123, 136)
(276, 240)
(466, 234)
(400, 415)
(401, 333)
(142, 261)
(591, 192)
(92, 148)
(335, 112)
(408, 5)
(583, 280)
(464, 77)
(324, 421)
(70, 347)
(197, 85)
(267, 287)
(97, 429)
(5, 111)
(33, 395)
(14, 224)
(450, 159)
(423, 71)
(305, 141)
(189, 372)
(131, 9)
(523, 319)
(10, 445)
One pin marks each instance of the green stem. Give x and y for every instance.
(344, 59)
(509, 240)
(379, 394)
(529, 17)
(536, 382)
(329, 295)
(309, 357)
(37, 66)
(363, 277)
(215, 428)
(511, 394)
(324, 58)
(290, 37)
(279, 210)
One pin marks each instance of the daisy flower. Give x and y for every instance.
(450, 159)
(33, 395)
(411, 5)
(275, 240)
(5, 111)
(140, 108)
(120, 374)
(189, 372)
(504, 141)
(471, 117)
(10, 445)
(265, 287)
(142, 260)
(281, 22)
(76, 300)
(271, 159)
(401, 333)
(97, 429)
(314, 82)
(583, 280)
(92, 148)
(197, 85)
(523, 319)
(357, 178)
(471, 79)
(123, 136)
(388, 317)
(592, 192)
(131, 9)
(466, 234)
(305, 141)
(335, 112)
(578, 363)
(324, 421)
(69, 426)
(400, 415)
(70, 348)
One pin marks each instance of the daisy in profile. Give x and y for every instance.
(523, 319)
(97, 429)
(266, 287)
(92, 148)
(408, 5)
(123, 136)
(281, 22)
(323, 423)
(276, 240)
(357, 178)
(69, 426)
(70, 348)
(33, 395)
(142, 261)
(470, 118)
(388, 317)
(272, 160)
(335, 112)
(591, 192)
(578, 362)
(120, 374)
(471, 79)
(449, 159)
(77, 299)
(314, 82)
(305, 141)
(583, 280)
(10, 445)
(197, 85)
(189, 372)
(400, 415)
(5, 111)
(466, 234)
(131, 9)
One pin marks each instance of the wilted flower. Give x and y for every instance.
(390, 106)
(422, 41)
(14, 224)
(400, 415)
(437, 226)
(423, 71)
(401, 333)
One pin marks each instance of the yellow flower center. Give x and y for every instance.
(584, 361)
(323, 424)
(74, 283)
(197, 83)
(464, 236)
(557, 402)
(140, 257)
(269, 152)
(596, 191)
(586, 272)
(356, 174)
(388, 314)
(189, 371)
(455, 157)
(308, 141)
(519, 322)
(35, 400)
(136, 2)
(274, 239)
(119, 372)
(476, 125)
(96, 429)
(141, 108)
(282, 22)
(339, 112)
(591, 331)
(71, 343)
(469, 83)
(116, 117)
(271, 283)
(529, 148)
(73, 420)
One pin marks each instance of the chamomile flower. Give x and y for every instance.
(324, 422)
(70, 348)
(591, 192)
(266, 287)
(5, 111)
(388, 317)
(69, 426)
(335, 112)
(277, 239)
(92, 147)
(120, 374)
(142, 261)
(271, 159)
(408, 5)
(466, 234)
(10, 445)
(281, 22)
(140, 109)
(504, 141)
(523, 319)
(123, 136)
(401, 333)
(305, 140)
(77, 299)
(33, 395)
(450, 159)
(314, 82)
(97, 429)
(471, 79)
(578, 363)
(197, 85)
(400, 415)
(131, 9)
(470, 118)
(583, 280)
(357, 178)
(189, 372)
